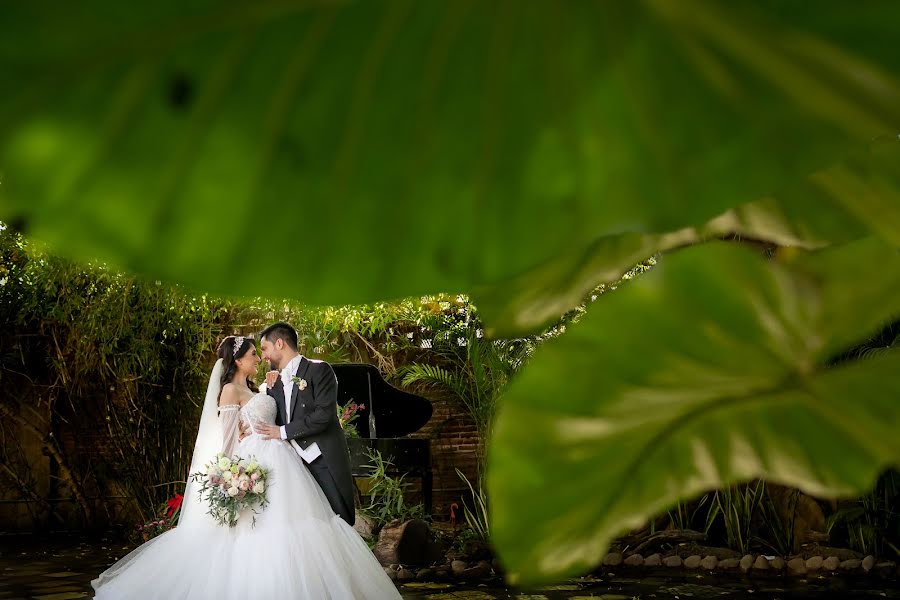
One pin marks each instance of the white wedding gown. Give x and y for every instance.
(298, 548)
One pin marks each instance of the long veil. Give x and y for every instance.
(194, 514)
(209, 442)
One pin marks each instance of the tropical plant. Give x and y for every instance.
(871, 523)
(387, 494)
(477, 515)
(472, 368)
(685, 515)
(739, 507)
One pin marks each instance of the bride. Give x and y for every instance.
(298, 547)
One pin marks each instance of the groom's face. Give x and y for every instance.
(273, 353)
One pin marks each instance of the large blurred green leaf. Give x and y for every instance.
(390, 148)
(707, 371)
(840, 204)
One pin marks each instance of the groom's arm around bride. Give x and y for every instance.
(305, 392)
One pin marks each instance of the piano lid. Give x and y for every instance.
(396, 413)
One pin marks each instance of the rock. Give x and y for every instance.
(496, 566)
(885, 568)
(831, 563)
(670, 538)
(692, 562)
(405, 575)
(796, 567)
(364, 526)
(841, 553)
(409, 543)
(814, 563)
(390, 573)
(868, 562)
(709, 563)
(850, 565)
(654, 560)
(672, 561)
(802, 511)
(613, 559)
(479, 571)
(425, 575)
(478, 550)
(777, 563)
(635, 560)
(729, 563)
(442, 573)
(761, 564)
(746, 562)
(458, 566)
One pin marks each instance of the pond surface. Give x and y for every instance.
(61, 568)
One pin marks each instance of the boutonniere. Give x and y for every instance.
(301, 383)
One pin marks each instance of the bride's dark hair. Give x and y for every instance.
(229, 354)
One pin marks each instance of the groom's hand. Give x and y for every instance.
(272, 432)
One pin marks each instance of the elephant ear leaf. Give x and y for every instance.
(707, 371)
(418, 146)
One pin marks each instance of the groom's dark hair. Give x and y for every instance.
(280, 331)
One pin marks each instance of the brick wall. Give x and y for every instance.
(454, 444)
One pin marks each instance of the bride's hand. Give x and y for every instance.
(271, 378)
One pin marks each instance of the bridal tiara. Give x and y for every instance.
(238, 342)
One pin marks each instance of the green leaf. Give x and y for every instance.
(385, 149)
(838, 205)
(707, 371)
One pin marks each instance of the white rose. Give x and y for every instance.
(259, 488)
(224, 463)
(232, 491)
(244, 477)
(226, 475)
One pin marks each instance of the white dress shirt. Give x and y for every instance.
(287, 385)
(312, 452)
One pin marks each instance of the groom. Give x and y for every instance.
(305, 392)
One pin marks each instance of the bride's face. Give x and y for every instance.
(247, 363)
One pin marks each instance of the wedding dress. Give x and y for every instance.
(298, 547)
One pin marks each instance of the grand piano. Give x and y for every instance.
(389, 416)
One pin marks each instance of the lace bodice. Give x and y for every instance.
(258, 409)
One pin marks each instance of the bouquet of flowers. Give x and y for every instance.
(231, 484)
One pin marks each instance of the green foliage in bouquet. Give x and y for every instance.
(231, 484)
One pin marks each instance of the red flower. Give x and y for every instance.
(362, 407)
(174, 504)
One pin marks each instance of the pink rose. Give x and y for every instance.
(255, 476)
(245, 485)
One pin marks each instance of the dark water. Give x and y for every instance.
(668, 588)
(61, 568)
